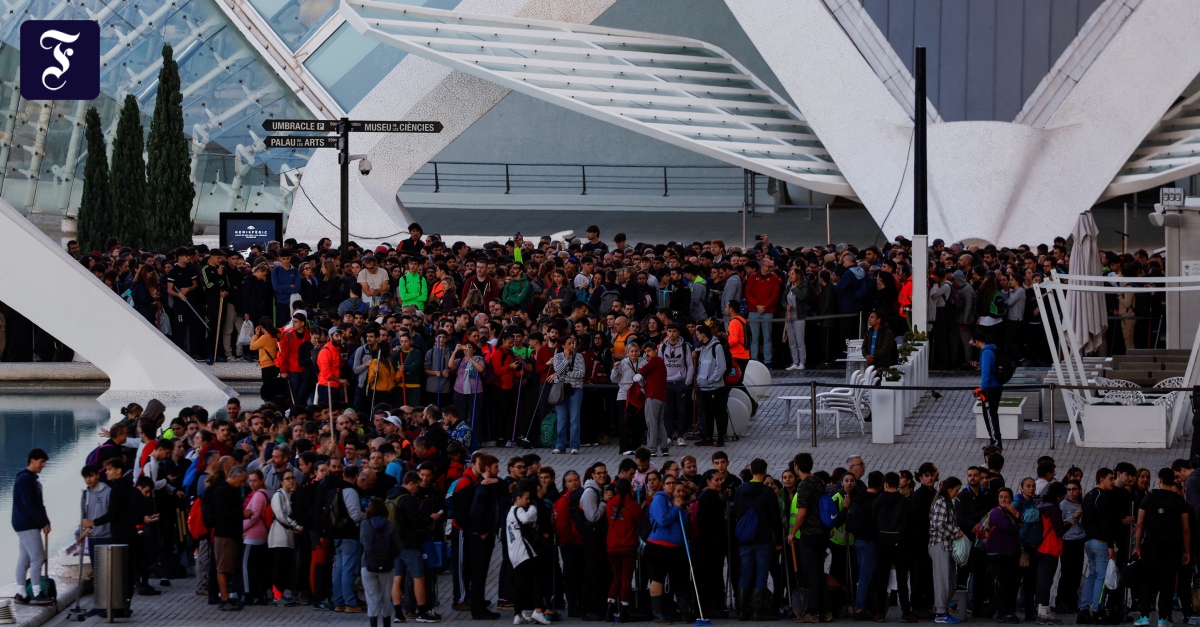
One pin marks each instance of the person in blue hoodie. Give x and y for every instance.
(285, 281)
(665, 552)
(989, 386)
(29, 520)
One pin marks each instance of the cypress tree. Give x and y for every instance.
(168, 167)
(95, 210)
(129, 177)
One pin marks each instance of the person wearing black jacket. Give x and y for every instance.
(971, 505)
(224, 501)
(1163, 540)
(756, 544)
(711, 545)
(893, 514)
(922, 567)
(122, 519)
(1099, 541)
(321, 536)
(869, 602)
(405, 511)
(485, 521)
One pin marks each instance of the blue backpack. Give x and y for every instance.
(830, 513)
(747, 525)
(1031, 526)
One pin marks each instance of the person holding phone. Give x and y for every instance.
(568, 367)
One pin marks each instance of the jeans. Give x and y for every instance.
(296, 382)
(1096, 552)
(756, 563)
(795, 330)
(760, 329)
(568, 420)
(345, 567)
(865, 550)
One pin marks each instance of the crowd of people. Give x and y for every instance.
(308, 506)
(566, 343)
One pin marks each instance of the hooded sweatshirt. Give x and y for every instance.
(710, 372)
(93, 504)
(847, 290)
(678, 358)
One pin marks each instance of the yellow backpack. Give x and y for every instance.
(381, 375)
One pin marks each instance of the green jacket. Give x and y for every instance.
(516, 292)
(413, 290)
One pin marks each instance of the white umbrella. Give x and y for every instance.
(1086, 309)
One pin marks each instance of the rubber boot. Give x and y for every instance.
(687, 608)
(762, 606)
(744, 604)
(656, 611)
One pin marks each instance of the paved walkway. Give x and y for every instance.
(942, 430)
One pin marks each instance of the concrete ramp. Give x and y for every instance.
(43, 283)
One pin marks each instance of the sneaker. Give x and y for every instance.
(556, 452)
(40, 599)
(520, 620)
(629, 452)
(461, 607)
(1047, 619)
(807, 618)
(201, 592)
(1142, 622)
(704, 442)
(862, 616)
(680, 442)
(1011, 619)
(398, 619)
(230, 606)
(945, 619)
(799, 366)
(1164, 623)
(1084, 617)
(908, 619)
(166, 583)
(574, 451)
(485, 615)
(504, 604)
(428, 617)
(539, 618)
(325, 606)
(148, 591)
(664, 453)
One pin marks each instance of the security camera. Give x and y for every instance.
(364, 166)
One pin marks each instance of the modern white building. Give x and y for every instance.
(1039, 108)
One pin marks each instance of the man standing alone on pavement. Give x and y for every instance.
(30, 521)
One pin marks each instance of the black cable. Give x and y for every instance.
(300, 185)
(907, 156)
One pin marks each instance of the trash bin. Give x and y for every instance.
(110, 582)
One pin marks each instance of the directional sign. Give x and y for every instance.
(300, 141)
(398, 126)
(316, 126)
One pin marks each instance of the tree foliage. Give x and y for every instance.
(128, 178)
(168, 168)
(96, 219)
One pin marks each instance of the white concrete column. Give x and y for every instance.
(920, 283)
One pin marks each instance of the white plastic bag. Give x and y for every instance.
(246, 334)
(1112, 578)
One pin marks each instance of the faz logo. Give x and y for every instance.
(60, 60)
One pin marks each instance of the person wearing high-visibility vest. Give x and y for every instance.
(841, 540)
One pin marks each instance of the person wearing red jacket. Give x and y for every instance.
(329, 367)
(762, 298)
(624, 514)
(653, 378)
(504, 365)
(570, 545)
(292, 346)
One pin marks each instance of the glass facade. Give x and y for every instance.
(228, 91)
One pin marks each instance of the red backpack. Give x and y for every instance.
(195, 520)
(268, 515)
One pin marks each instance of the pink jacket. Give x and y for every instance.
(254, 529)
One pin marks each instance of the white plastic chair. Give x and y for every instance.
(852, 404)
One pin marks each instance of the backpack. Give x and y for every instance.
(747, 525)
(712, 302)
(575, 506)
(828, 511)
(460, 506)
(1031, 526)
(982, 530)
(998, 307)
(334, 514)
(93, 458)
(607, 298)
(889, 525)
(268, 514)
(860, 292)
(549, 430)
(378, 555)
(195, 520)
(382, 373)
(1004, 366)
(955, 299)
(733, 370)
(858, 521)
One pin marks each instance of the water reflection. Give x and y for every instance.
(66, 428)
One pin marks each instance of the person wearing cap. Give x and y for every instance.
(285, 280)
(187, 307)
(216, 292)
(294, 353)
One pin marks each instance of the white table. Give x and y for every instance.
(790, 399)
(854, 362)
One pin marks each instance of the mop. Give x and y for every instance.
(534, 422)
(702, 621)
(517, 411)
(437, 362)
(76, 613)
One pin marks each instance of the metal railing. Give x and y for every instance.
(581, 178)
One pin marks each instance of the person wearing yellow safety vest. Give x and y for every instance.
(789, 482)
(813, 544)
(840, 566)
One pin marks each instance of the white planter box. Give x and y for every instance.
(1124, 426)
(1011, 425)
(886, 412)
